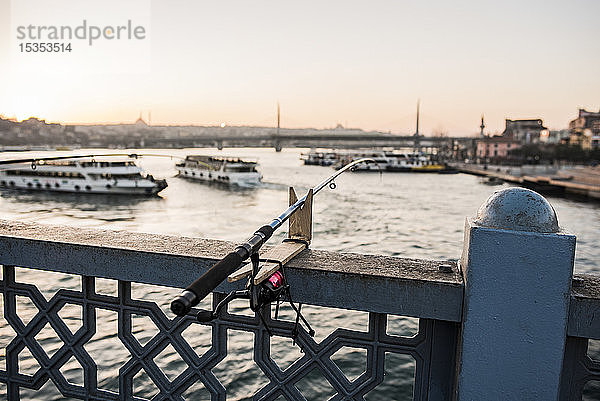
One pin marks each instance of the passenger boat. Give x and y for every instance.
(382, 161)
(316, 158)
(394, 162)
(86, 175)
(224, 170)
(413, 162)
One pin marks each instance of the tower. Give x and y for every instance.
(416, 144)
(418, 106)
(276, 139)
(482, 126)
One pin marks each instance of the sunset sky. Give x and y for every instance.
(359, 63)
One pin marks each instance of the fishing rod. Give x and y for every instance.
(37, 160)
(274, 286)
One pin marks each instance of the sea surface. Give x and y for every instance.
(398, 214)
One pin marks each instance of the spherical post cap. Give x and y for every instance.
(518, 209)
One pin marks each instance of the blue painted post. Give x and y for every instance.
(517, 266)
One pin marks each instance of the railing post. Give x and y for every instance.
(517, 267)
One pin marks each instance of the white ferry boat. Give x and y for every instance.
(225, 170)
(413, 162)
(81, 176)
(381, 160)
(394, 162)
(316, 158)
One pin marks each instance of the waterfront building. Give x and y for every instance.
(524, 131)
(585, 130)
(495, 147)
(551, 137)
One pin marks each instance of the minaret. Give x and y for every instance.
(278, 119)
(276, 139)
(418, 104)
(416, 144)
(482, 126)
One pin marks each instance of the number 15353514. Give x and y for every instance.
(36, 47)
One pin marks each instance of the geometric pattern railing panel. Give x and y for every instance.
(147, 333)
(581, 371)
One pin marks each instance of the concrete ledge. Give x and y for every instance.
(411, 287)
(381, 284)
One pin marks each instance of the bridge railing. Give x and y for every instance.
(495, 315)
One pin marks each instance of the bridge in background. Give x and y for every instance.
(340, 141)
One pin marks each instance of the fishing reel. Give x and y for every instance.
(259, 295)
(268, 291)
(273, 289)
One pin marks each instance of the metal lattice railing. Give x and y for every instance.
(375, 341)
(580, 371)
(382, 286)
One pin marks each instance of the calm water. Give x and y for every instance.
(408, 215)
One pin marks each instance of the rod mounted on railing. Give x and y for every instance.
(267, 282)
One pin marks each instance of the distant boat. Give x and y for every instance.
(492, 181)
(89, 175)
(413, 162)
(224, 170)
(315, 158)
(448, 170)
(394, 162)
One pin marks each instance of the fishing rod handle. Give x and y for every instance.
(210, 280)
(204, 285)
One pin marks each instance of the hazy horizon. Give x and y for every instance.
(359, 64)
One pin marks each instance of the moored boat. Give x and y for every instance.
(85, 175)
(379, 157)
(224, 170)
(394, 162)
(414, 162)
(316, 158)
(492, 181)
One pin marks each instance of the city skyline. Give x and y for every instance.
(362, 65)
